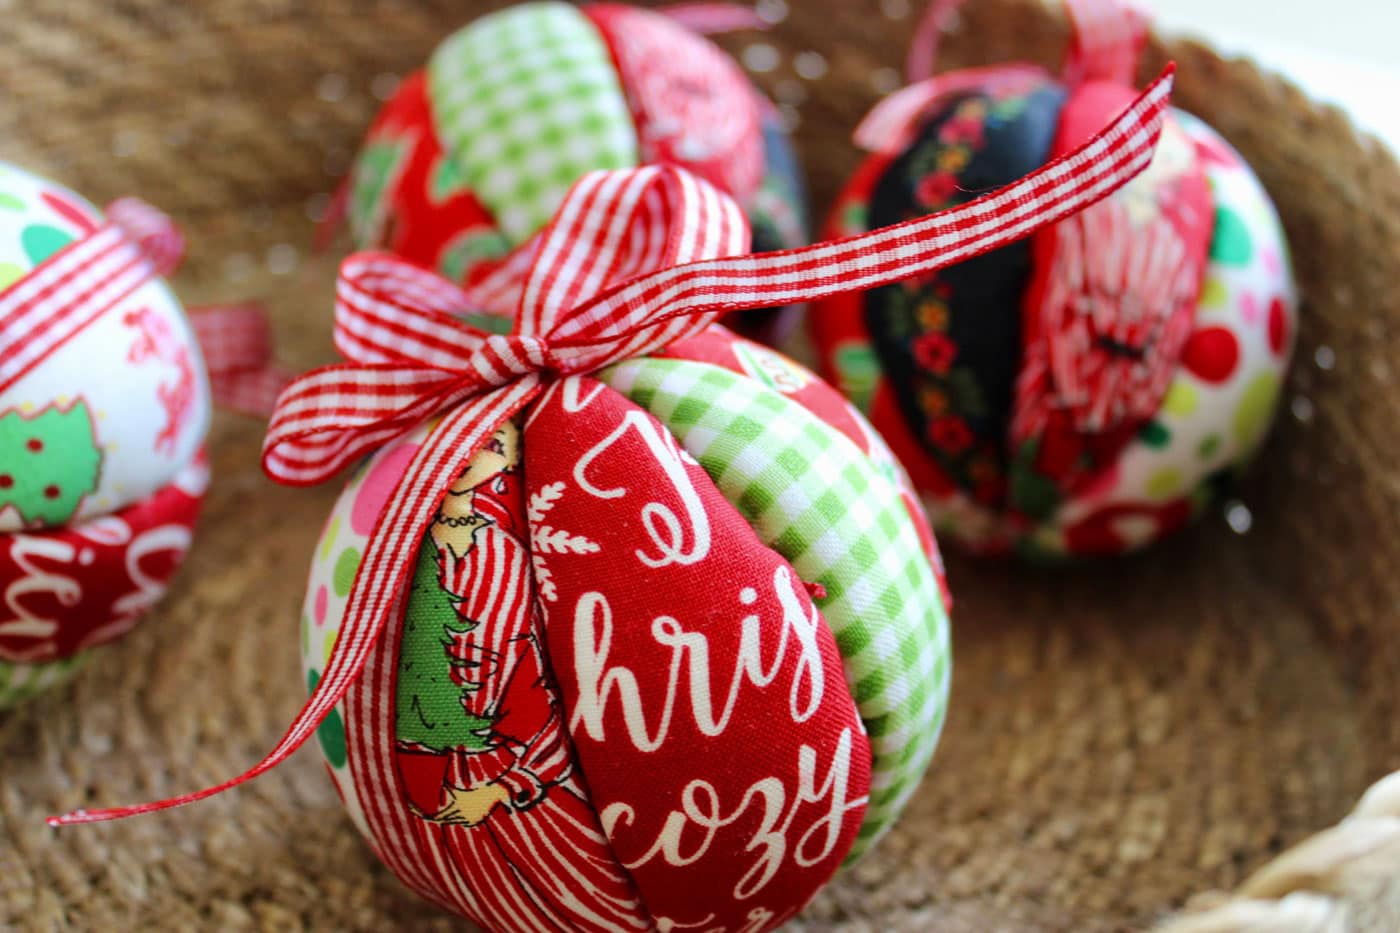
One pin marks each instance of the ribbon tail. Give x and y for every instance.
(1085, 176)
(236, 341)
(379, 582)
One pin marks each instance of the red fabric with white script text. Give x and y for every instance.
(681, 618)
(64, 590)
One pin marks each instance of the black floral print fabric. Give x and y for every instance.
(951, 342)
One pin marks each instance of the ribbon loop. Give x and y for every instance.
(152, 231)
(332, 416)
(236, 341)
(709, 19)
(388, 311)
(614, 226)
(1109, 36)
(939, 17)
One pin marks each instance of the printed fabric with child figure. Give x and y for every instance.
(481, 745)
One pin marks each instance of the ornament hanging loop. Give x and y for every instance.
(1107, 39)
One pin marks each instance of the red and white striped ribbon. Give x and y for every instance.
(64, 295)
(1106, 42)
(589, 300)
(76, 286)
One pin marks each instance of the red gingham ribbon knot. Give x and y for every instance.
(504, 359)
(633, 261)
(410, 356)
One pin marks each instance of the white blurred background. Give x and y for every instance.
(1346, 52)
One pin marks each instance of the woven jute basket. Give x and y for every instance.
(1124, 738)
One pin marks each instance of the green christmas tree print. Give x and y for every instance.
(48, 462)
(429, 706)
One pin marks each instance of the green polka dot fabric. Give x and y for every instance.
(527, 101)
(818, 501)
(333, 567)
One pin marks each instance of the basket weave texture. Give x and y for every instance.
(1121, 736)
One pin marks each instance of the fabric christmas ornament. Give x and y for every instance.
(104, 406)
(627, 623)
(474, 153)
(1093, 388)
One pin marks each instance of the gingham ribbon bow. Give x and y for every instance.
(76, 286)
(634, 261)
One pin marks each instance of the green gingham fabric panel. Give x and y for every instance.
(19, 682)
(816, 499)
(527, 101)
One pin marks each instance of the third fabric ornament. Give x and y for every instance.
(1088, 390)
